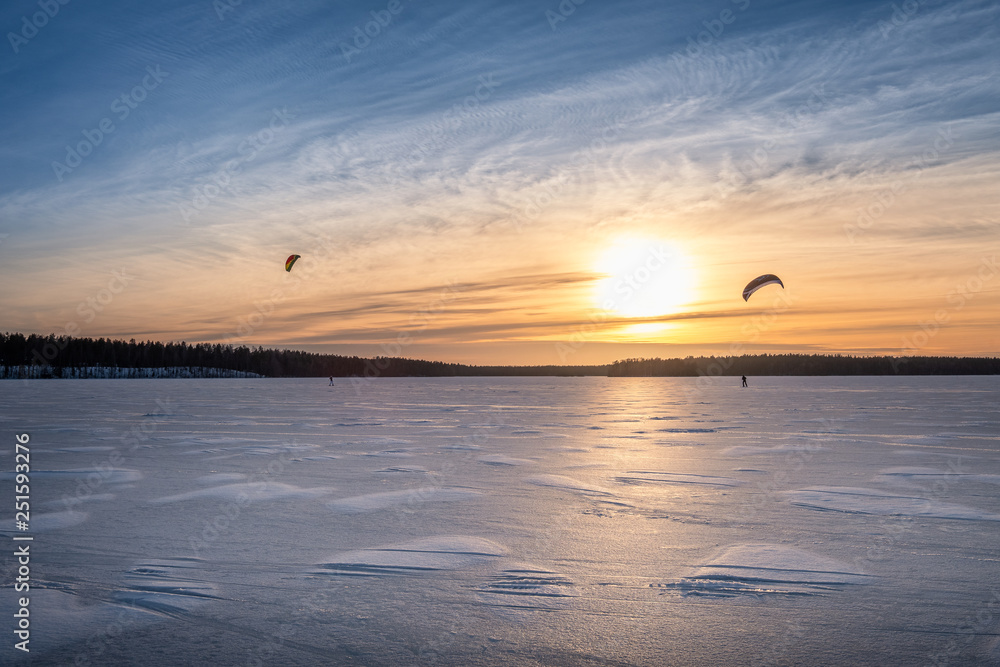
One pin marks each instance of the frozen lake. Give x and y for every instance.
(496, 521)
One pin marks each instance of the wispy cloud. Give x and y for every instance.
(482, 144)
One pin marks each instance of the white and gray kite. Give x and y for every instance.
(761, 281)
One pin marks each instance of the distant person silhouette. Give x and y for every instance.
(331, 380)
(744, 380)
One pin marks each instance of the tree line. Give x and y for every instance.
(804, 364)
(32, 355)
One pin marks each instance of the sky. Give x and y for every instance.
(509, 182)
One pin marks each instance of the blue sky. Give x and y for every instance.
(262, 129)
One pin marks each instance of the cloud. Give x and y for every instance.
(478, 142)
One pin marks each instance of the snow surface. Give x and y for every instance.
(371, 502)
(446, 552)
(768, 569)
(870, 501)
(501, 460)
(506, 521)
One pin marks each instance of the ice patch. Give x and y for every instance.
(443, 552)
(868, 501)
(501, 460)
(653, 477)
(567, 483)
(377, 501)
(249, 492)
(767, 569)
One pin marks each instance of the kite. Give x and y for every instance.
(761, 281)
(290, 261)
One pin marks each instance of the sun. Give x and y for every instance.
(644, 278)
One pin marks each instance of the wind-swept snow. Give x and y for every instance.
(490, 521)
(371, 502)
(870, 501)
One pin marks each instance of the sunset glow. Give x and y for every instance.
(645, 278)
(487, 182)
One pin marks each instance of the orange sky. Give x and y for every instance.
(510, 199)
(583, 283)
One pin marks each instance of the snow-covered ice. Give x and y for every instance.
(507, 521)
(370, 502)
(767, 569)
(568, 484)
(249, 492)
(502, 460)
(658, 477)
(445, 552)
(870, 501)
